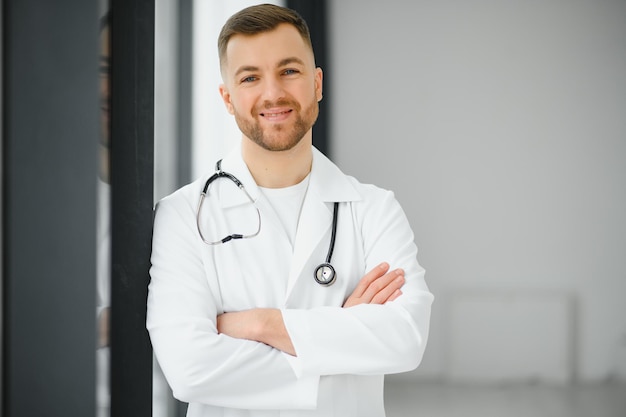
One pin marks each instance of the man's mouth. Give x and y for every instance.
(276, 115)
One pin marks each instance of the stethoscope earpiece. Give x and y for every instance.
(325, 274)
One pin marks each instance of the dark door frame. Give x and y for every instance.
(132, 173)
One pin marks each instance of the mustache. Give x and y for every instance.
(278, 103)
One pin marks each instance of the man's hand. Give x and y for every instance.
(377, 286)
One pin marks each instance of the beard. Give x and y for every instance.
(279, 137)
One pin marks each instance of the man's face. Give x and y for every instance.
(272, 87)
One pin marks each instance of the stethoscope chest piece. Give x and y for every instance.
(325, 274)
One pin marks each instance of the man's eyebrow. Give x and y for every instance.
(290, 60)
(246, 68)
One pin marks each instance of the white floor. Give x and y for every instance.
(417, 399)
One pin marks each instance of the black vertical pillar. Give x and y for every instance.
(314, 13)
(50, 134)
(132, 126)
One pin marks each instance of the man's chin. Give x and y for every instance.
(278, 144)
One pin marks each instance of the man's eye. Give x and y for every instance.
(290, 71)
(249, 79)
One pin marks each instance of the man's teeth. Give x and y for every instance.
(274, 114)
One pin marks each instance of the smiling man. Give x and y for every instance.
(315, 293)
(277, 97)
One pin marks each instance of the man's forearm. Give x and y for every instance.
(263, 325)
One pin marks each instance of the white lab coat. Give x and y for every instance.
(343, 353)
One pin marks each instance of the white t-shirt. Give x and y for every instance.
(287, 204)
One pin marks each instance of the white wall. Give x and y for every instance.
(501, 126)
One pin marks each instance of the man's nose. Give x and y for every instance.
(273, 90)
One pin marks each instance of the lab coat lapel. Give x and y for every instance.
(327, 185)
(315, 220)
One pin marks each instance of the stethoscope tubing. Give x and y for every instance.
(324, 274)
(221, 174)
(333, 235)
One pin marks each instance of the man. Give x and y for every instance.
(240, 326)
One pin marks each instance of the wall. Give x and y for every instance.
(500, 125)
(50, 135)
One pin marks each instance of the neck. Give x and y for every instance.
(271, 169)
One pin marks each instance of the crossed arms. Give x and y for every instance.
(266, 325)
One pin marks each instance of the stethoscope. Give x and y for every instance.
(324, 274)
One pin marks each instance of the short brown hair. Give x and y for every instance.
(258, 19)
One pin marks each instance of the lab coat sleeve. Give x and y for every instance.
(201, 365)
(369, 339)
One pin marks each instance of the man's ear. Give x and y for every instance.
(226, 98)
(319, 76)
